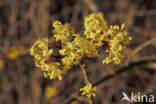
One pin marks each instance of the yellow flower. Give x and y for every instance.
(62, 32)
(88, 90)
(117, 40)
(94, 25)
(50, 91)
(40, 49)
(1, 63)
(41, 54)
(85, 46)
(52, 70)
(15, 51)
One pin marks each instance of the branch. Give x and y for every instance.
(84, 71)
(118, 71)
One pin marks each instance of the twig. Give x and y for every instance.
(91, 5)
(78, 97)
(139, 48)
(118, 71)
(137, 13)
(91, 101)
(84, 74)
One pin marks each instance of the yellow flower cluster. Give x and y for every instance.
(95, 25)
(117, 40)
(75, 47)
(62, 32)
(41, 54)
(88, 90)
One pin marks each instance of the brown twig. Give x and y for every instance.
(137, 13)
(84, 74)
(91, 101)
(139, 48)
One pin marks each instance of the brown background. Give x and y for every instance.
(22, 22)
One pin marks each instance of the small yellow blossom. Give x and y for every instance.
(41, 53)
(85, 46)
(40, 49)
(117, 40)
(1, 63)
(94, 25)
(50, 91)
(88, 90)
(15, 51)
(52, 70)
(62, 32)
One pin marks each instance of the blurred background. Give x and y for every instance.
(22, 22)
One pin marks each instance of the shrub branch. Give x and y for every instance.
(118, 71)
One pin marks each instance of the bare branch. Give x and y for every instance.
(118, 71)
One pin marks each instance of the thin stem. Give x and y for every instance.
(91, 100)
(84, 73)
